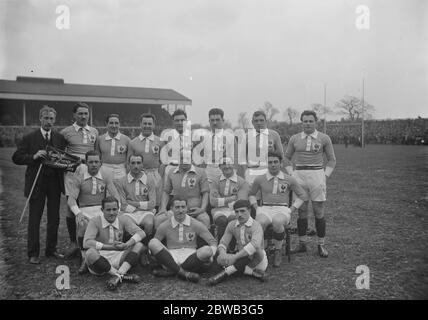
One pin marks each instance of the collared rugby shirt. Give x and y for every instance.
(113, 150)
(183, 235)
(80, 139)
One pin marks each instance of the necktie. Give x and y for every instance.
(147, 146)
(85, 135)
(227, 187)
(94, 186)
(242, 234)
(308, 143)
(180, 232)
(213, 148)
(47, 141)
(113, 146)
(137, 187)
(110, 233)
(275, 185)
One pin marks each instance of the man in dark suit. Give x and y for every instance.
(31, 152)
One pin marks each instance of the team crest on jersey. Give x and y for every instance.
(190, 236)
(192, 182)
(283, 188)
(145, 191)
(316, 147)
(155, 149)
(121, 149)
(248, 237)
(92, 138)
(101, 187)
(118, 235)
(234, 190)
(270, 145)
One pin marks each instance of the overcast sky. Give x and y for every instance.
(230, 54)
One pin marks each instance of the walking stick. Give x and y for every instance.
(31, 192)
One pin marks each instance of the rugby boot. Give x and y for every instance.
(72, 253)
(83, 268)
(131, 278)
(322, 251)
(144, 259)
(299, 249)
(161, 272)
(311, 232)
(34, 260)
(114, 282)
(259, 275)
(277, 258)
(216, 279)
(189, 276)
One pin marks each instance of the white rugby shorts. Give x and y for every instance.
(113, 257)
(181, 255)
(271, 211)
(138, 216)
(223, 211)
(116, 171)
(313, 182)
(91, 212)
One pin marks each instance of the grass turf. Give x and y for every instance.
(376, 215)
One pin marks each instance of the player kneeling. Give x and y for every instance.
(106, 252)
(180, 256)
(251, 258)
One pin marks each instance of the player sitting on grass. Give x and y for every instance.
(181, 256)
(251, 257)
(106, 253)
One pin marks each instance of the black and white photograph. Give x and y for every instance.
(232, 152)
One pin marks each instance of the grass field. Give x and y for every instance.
(377, 215)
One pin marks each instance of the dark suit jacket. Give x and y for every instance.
(30, 144)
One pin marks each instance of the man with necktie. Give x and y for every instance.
(309, 148)
(49, 185)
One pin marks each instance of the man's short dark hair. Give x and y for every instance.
(241, 204)
(179, 112)
(177, 199)
(136, 155)
(216, 111)
(92, 153)
(259, 113)
(112, 115)
(148, 115)
(80, 105)
(309, 113)
(275, 154)
(108, 199)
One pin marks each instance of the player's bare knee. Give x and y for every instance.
(155, 246)
(204, 253)
(204, 218)
(278, 224)
(92, 255)
(148, 225)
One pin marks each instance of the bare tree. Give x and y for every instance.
(291, 114)
(270, 110)
(353, 108)
(243, 121)
(321, 110)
